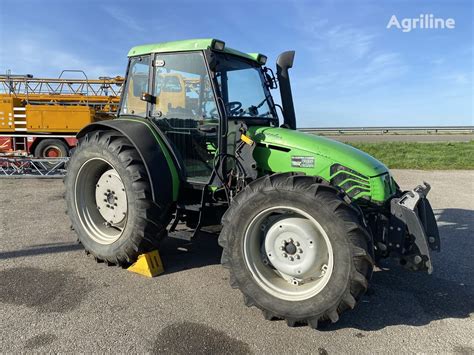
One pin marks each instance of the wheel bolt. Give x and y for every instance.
(290, 240)
(282, 248)
(300, 250)
(284, 255)
(297, 256)
(291, 258)
(283, 242)
(108, 190)
(297, 244)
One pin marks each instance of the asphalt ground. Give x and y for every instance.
(54, 298)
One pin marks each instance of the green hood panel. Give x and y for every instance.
(326, 151)
(284, 150)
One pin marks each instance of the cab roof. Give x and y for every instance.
(187, 45)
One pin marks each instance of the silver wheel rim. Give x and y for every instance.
(288, 253)
(101, 201)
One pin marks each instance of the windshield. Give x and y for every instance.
(242, 88)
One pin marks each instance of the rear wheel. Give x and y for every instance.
(296, 249)
(109, 199)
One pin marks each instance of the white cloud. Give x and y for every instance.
(458, 78)
(123, 18)
(438, 61)
(348, 58)
(40, 56)
(348, 39)
(381, 69)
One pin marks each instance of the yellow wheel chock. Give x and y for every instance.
(148, 264)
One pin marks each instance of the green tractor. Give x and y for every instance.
(198, 145)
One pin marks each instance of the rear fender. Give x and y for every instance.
(159, 164)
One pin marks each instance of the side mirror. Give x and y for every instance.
(148, 98)
(269, 77)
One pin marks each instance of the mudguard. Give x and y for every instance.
(159, 163)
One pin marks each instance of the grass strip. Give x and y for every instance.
(425, 156)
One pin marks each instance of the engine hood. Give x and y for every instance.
(296, 144)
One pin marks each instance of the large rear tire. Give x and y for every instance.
(296, 249)
(109, 199)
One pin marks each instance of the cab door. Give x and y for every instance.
(185, 111)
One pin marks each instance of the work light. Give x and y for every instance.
(262, 59)
(217, 45)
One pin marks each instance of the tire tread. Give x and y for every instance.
(151, 221)
(355, 230)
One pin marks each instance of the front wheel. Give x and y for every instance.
(296, 249)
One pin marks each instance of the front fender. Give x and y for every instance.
(159, 164)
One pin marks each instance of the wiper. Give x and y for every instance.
(265, 99)
(253, 110)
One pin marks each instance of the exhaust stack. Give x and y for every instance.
(284, 62)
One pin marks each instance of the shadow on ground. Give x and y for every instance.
(41, 249)
(178, 255)
(398, 296)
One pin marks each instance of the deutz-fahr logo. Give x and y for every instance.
(302, 162)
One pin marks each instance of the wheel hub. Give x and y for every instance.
(290, 248)
(290, 245)
(52, 152)
(111, 198)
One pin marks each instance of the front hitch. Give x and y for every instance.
(413, 230)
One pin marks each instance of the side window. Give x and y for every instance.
(183, 89)
(137, 83)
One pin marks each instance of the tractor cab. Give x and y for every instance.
(202, 100)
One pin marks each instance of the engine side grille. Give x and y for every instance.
(354, 184)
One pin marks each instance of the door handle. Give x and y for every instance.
(207, 128)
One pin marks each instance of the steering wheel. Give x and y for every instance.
(233, 107)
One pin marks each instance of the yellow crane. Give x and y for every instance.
(40, 116)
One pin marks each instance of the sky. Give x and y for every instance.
(350, 69)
